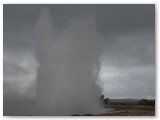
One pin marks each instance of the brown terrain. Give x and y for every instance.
(126, 111)
(130, 111)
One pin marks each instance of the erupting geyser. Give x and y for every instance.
(68, 71)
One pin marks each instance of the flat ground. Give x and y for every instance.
(124, 110)
(130, 111)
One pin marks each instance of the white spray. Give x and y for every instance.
(67, 75)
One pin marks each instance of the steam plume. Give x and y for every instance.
(67, 75)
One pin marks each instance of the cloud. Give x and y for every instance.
(19, 74)
(127, 30)
(128, 66)
(132, 84)
(129, 49)
(110, 18)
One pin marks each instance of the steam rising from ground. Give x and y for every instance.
(68, 70)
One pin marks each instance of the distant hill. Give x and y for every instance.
(124, 100)
(145, 102)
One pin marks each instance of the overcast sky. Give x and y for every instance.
(126, 31)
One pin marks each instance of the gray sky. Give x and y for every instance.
(126, 31)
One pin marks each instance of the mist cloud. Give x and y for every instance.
(65, 76)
